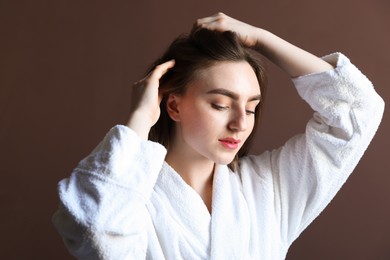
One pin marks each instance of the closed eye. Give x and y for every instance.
(219, 107)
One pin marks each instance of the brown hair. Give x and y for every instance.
(198, 50)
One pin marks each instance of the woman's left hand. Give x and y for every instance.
(221, 22)
(293, 60)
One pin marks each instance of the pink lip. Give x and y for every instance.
(229, 142)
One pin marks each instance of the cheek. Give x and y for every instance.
(251, 125)
(249, 131)
(200, 121)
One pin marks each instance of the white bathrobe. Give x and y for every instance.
(124, 202)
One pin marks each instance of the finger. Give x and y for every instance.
(202, 23)
(160, 97)
(214, 19)
(157, 73)
(210, 19)
(218, 22)
(161, 69)
(205, 20)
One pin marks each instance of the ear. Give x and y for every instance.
(173, 107)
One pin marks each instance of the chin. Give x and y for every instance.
(224, 160)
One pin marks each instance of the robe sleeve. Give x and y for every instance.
(308, 171)
(102, 213)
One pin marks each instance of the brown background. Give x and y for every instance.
(65, 72)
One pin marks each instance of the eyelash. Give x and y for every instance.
(218, 107)
(222, 108)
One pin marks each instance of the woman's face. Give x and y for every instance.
(216, 114)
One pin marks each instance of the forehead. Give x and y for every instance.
(238, 77)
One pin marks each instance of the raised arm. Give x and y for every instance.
(103, 213)
(307, 172)
(293, 60)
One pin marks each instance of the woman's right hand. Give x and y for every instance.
(146, 99)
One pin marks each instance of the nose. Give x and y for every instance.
(238, 121)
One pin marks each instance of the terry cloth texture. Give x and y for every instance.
(124, 202)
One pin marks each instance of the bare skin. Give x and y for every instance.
(145, 110)
(218, 104)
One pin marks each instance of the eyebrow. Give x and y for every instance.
(232, 95)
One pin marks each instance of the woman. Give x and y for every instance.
(200, 196)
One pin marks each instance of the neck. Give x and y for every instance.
(195, 169)
(196, 172)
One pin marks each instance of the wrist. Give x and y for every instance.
(263, 40)
(138, 123)
(257, 38)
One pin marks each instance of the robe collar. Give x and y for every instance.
(230, 221)
(225, 233)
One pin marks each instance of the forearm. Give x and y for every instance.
(138, 124)
(292, 59)
(295, 61)
(107, 194)
(121, 166)
(317, 164)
